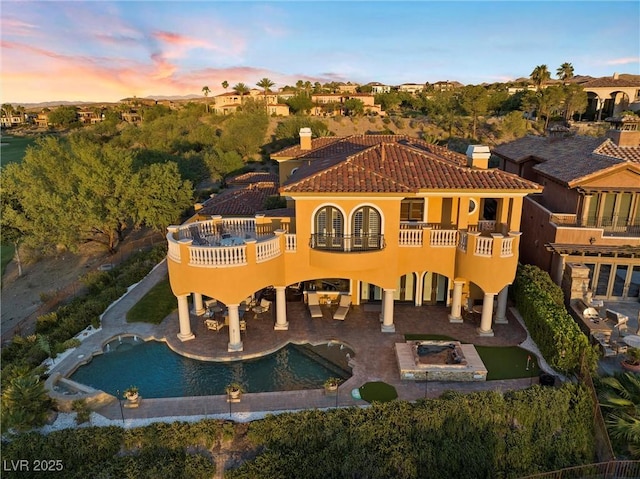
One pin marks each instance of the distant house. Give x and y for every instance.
(589, 211)
(411, 88)
(377, 88)
(331, 104)
(610, 96)
(446, 85)
(230, 102)
(348, 88)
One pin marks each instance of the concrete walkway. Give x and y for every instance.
(374, 354)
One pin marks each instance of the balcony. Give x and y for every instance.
(223, 243)
(613, 226)
(347, 243)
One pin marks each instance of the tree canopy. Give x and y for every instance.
(71, 191)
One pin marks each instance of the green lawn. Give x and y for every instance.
(156, 305)
(501, 362)
(13, 148)
(378, 391)
(6, 255)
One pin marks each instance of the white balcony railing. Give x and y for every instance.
(506, 249)
(266, 250)
(219, 257)
(410, 237)
(484, 246)
(443, 238)
(173, 250)
(291, 243)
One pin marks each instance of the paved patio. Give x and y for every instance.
(373, 359)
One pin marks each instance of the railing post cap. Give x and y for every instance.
(279, 232)
(496, 235)
(251, 241)
(216, 217)
(259, 215)
(515, 233)
(474, 233)
(173, 228)
(186, 241)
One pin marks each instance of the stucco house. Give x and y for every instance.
(589, 211)
(381, 218)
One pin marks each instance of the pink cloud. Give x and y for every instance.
(623, 61)
(14, 26)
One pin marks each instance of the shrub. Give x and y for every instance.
(83, 413)
(541, 304)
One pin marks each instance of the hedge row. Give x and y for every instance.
(176, 450)
(480, 435)
(541, 303)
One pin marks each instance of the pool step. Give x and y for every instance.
(312, 353)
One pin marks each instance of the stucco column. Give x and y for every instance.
(501, 309)
(586, 205)
(198, 306)
(561, 258)
(281, 309)
(235, 342)
(419, 288)
(185, 333)
(487, 312)
(387, 319)
(456, 303)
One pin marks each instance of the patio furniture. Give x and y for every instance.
(213, 325)
(343, 307)
(313, 301)
(591, 314)
(263, 307)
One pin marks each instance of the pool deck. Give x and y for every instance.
(374, 356)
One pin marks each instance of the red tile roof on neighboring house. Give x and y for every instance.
(393, 164)
(568, 159)
(253, 177)
(246, 201)
(605, 82)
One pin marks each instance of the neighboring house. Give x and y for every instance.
(411, 87)
(227, 103)
(42, 120)
(331, 104)
(90, 117)
(589, 212)
(132, 116)
(610, 96)
(348, 88)
(377, 88)
(383, 218)
(446, 85)
(14, 119)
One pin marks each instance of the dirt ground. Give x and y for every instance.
(48, 281)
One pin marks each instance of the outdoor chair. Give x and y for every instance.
(343, 307)
(314, 304)
(263, 307)
(591, 313)
(213, 325)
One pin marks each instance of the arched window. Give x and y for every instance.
(329, 228)
(366, 229)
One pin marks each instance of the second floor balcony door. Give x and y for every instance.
(329, 226)
(366, 229)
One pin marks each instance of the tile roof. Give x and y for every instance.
(568, 159)
(253, 177)
(244, 201)
(395, 164)
(609, 82)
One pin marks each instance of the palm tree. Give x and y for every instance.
(619, 397)
(241, 89)
(540, 75)
(225, 85)
(565, 71)
(265, 84)
(206, 90)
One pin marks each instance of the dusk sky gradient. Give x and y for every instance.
(106, 51)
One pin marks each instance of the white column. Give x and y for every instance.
(456, 303)
(235, 343)
(487, 312)
(387, 311)
(198, 306)
(281, 309)
(419, 287)
(185, 333)
(501, 309)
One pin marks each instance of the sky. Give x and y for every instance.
(106, 51)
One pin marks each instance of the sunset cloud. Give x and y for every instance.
(108, 50)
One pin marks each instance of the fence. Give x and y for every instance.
(600, 470)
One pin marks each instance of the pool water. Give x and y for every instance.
(158, 372)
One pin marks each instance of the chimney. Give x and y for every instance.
(478, 156)
(624, 130)
(616, 76)
(305, 138)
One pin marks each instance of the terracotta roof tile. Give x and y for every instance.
(253, 177)
(245, 201)
(396, 164)
(568, 159)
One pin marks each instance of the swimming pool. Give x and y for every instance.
(158, 372)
